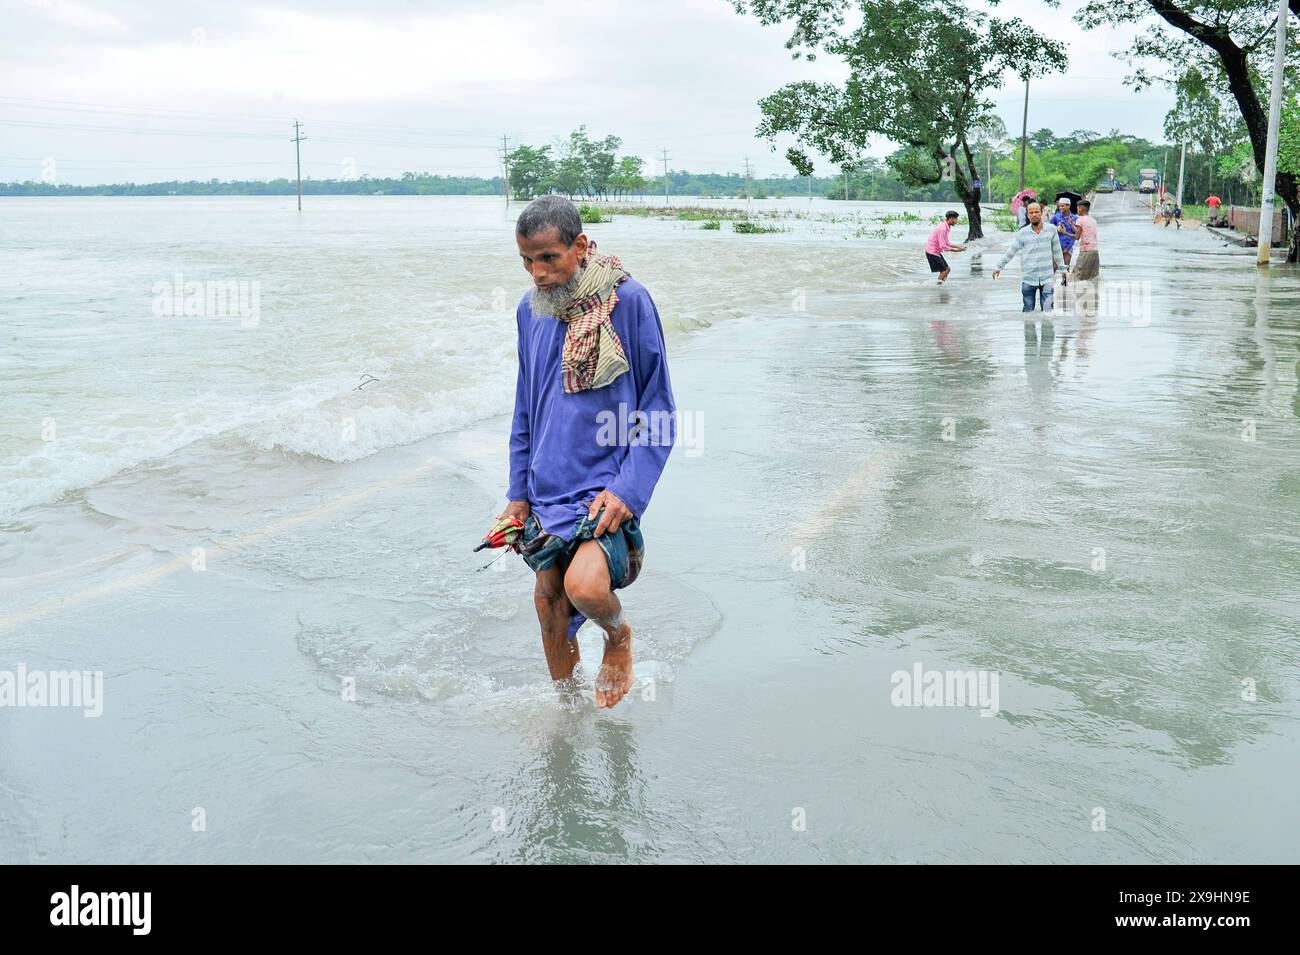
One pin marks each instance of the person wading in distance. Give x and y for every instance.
(591, 352)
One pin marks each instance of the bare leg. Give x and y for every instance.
(553, 612)
(587, 585)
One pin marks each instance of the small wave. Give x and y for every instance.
(347, 429)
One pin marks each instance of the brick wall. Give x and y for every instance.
(1245, 219)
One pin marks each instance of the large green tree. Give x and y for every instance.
(531, 171)
(921, 72)
(1229, 44)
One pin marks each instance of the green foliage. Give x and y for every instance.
(920, 73)
(1002, 219)
(915, 166)
(746, 227)
(713, 224)
(531, 171)
(1288, 143)
(799, 160)
(593, 214)
(580, 166)
(880, 232)
(1073, 164)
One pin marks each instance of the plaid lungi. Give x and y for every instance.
(624, 550)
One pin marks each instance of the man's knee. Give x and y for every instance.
(587, 579)
(584, 590)
(550, 588)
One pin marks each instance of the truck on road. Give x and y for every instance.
(1147, 179)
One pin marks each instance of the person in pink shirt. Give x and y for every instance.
(939, 243)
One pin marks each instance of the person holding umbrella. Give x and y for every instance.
(1020, 206)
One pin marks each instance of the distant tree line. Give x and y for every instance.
(1219, 160)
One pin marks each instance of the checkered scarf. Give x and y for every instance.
(593, 356)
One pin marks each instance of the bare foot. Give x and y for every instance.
(615, 678)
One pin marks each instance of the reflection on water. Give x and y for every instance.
(582, 797)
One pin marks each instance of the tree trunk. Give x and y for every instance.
(1287, 192)
(970, 197)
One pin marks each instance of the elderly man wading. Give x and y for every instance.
(594, 424)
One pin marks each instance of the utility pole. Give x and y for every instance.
(665, 177)
(298, 137)
(1024, 135)
(1270, 150)
(505, 166)
(746, 179)
(846, 183)
(1164, 179)
(988, 170)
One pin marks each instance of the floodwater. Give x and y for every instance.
(258, 527)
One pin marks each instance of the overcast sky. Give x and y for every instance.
(145, 91)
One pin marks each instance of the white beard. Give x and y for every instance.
(548, 303)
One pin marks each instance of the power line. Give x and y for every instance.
(113, 110)
(222, 134)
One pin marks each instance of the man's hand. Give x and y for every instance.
(997, 272)
(616, 512)
(519, 509)
(959, 248)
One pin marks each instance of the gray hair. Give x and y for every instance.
(546, 212)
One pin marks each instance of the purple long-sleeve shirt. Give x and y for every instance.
(567, 448)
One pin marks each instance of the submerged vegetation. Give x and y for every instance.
(593, 214)
(746, 227)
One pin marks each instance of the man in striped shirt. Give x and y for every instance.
(1041, 247)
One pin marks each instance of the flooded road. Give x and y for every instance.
(887, 480)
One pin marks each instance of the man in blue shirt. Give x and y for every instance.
(1066, 224)
(593, 426)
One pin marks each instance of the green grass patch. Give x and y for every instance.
(712, 224)
(900, 217)
(701, 214)
(1002, 219)
(862, 232)
(746, 227)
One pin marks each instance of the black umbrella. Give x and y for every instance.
(1074, 198)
